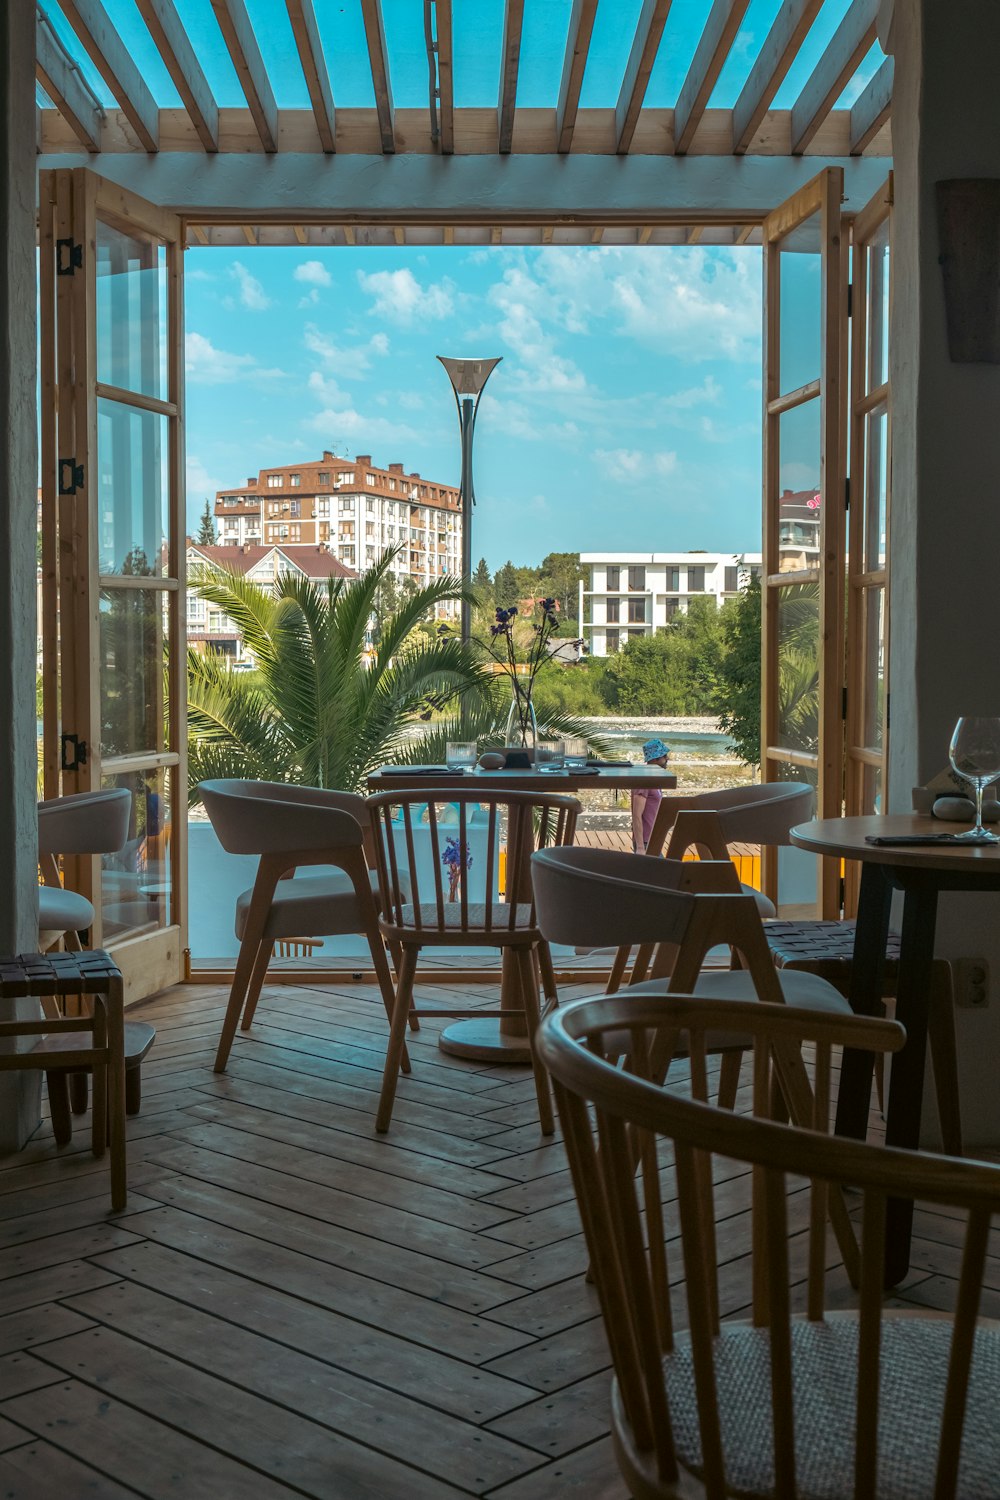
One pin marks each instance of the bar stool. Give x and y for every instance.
(100, 1047)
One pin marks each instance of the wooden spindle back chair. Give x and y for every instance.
(435, 891)
(789, 1398)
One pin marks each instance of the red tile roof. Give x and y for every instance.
(315, 562)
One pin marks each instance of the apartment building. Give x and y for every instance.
(208, 626)
(636, 593)
(351, 507)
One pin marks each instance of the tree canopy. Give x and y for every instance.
(207, 535)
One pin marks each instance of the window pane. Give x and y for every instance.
(799, 487)
(136, 891)
(798, 667)
(876, 482)
(798, 870)
(800, 307)
(134, 711)
(133, 489)
(878, 307)
(873, 722)
(131, 312)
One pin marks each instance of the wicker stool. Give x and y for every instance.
(827, 949)
(100, 1049)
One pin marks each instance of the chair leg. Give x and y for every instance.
(241, 978)
(99, 1074)
(529, 995)
(643, 959)
(133, 1089)
(548, 973)
(62, 1120)
(397, 1037)
(618, 970)
(729, 1079)
(115, 1099)
(944, 1057)
(257, 976)
(384, 978)
(79, 1091)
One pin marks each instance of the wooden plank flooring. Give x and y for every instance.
(292, 1305)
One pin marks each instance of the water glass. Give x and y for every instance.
(575, 752)
(460, 755)
(974, 753)
(550, 755)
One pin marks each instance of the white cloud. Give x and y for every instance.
(251, 293)
(708, 393)
(204, 364)
(632, 466)
(347, 425)
(313, 273)
(399, 296)
(354, 360)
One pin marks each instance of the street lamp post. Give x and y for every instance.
(468, 379)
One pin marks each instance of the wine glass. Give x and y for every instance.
(974, 753)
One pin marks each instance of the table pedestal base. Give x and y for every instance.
(483, 1041)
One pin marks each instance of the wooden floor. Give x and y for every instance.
(294, 1306)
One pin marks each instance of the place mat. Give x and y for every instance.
(415, 771)
(927, 840)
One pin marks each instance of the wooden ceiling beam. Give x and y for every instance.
(743, 235)
(174, 46)
(872, 108)
(446, 76)
(237, 32)
(61, 82)
(581, 28)
(378, 60)
(840, 61)
(300, 234)
(513, 19)
(302, 15)
(107, 52)
(781, 44)
(694, 235)
(724, 21)
(645, 44)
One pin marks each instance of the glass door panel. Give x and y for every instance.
(802, 730)
(120, 704)
(868, 716)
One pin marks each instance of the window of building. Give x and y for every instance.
(672, 579)
(732, 580)
(324, 531)
(672, 608)
(613, 607)
(392, 484)
(613, 580)
(322, 506)
(637, 578)
(637, 611)
(323, 477)
(345, 476)
(274, 481)
(295, 480)
(346, 507)
(296, 535)
(370, 480)
(612, 638)
(295, 510)
(696, 580)
(371, 507)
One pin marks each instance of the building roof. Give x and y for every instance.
(416, 488)
(315, 563)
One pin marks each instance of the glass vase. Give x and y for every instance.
(521, 733)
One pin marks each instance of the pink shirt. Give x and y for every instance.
(651, 800)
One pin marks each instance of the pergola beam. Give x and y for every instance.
(446, 76)
(237, 32)
(106, 51)
(872, 108)
(378, 60)
(716, 43)
(174, 46)
(513, 19)
(838, 64)
(781, 44)
(307, 39)
(645, 44)
(581, 28)
(61, 82)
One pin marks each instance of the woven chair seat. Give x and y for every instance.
(818, 942)
(473, 919)
(914, 1367)
(87, 973)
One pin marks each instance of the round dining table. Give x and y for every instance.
(920, 871)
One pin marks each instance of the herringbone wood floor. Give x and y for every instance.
(294, 1306)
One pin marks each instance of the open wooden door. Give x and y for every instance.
(865, 786)
(112, 527)
(804, 506)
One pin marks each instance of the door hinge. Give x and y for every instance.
(847, 493)
(73, 752)
(69, 257)
(850, 299)
(843, 703)
(70, 476)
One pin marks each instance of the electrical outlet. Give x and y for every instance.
(972, 982)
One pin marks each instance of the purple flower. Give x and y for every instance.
(453, 854)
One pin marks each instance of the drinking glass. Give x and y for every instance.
(974, 753)
(460, 755)
(549, 755)
(575, 752)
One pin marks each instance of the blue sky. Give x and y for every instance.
(625, 414)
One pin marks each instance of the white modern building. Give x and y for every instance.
(636, 593)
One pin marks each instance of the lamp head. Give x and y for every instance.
(469, 376)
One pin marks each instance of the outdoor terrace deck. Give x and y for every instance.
(294, 1306)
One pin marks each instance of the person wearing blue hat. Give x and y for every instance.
(646, 800)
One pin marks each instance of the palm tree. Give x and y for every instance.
(320, 710)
